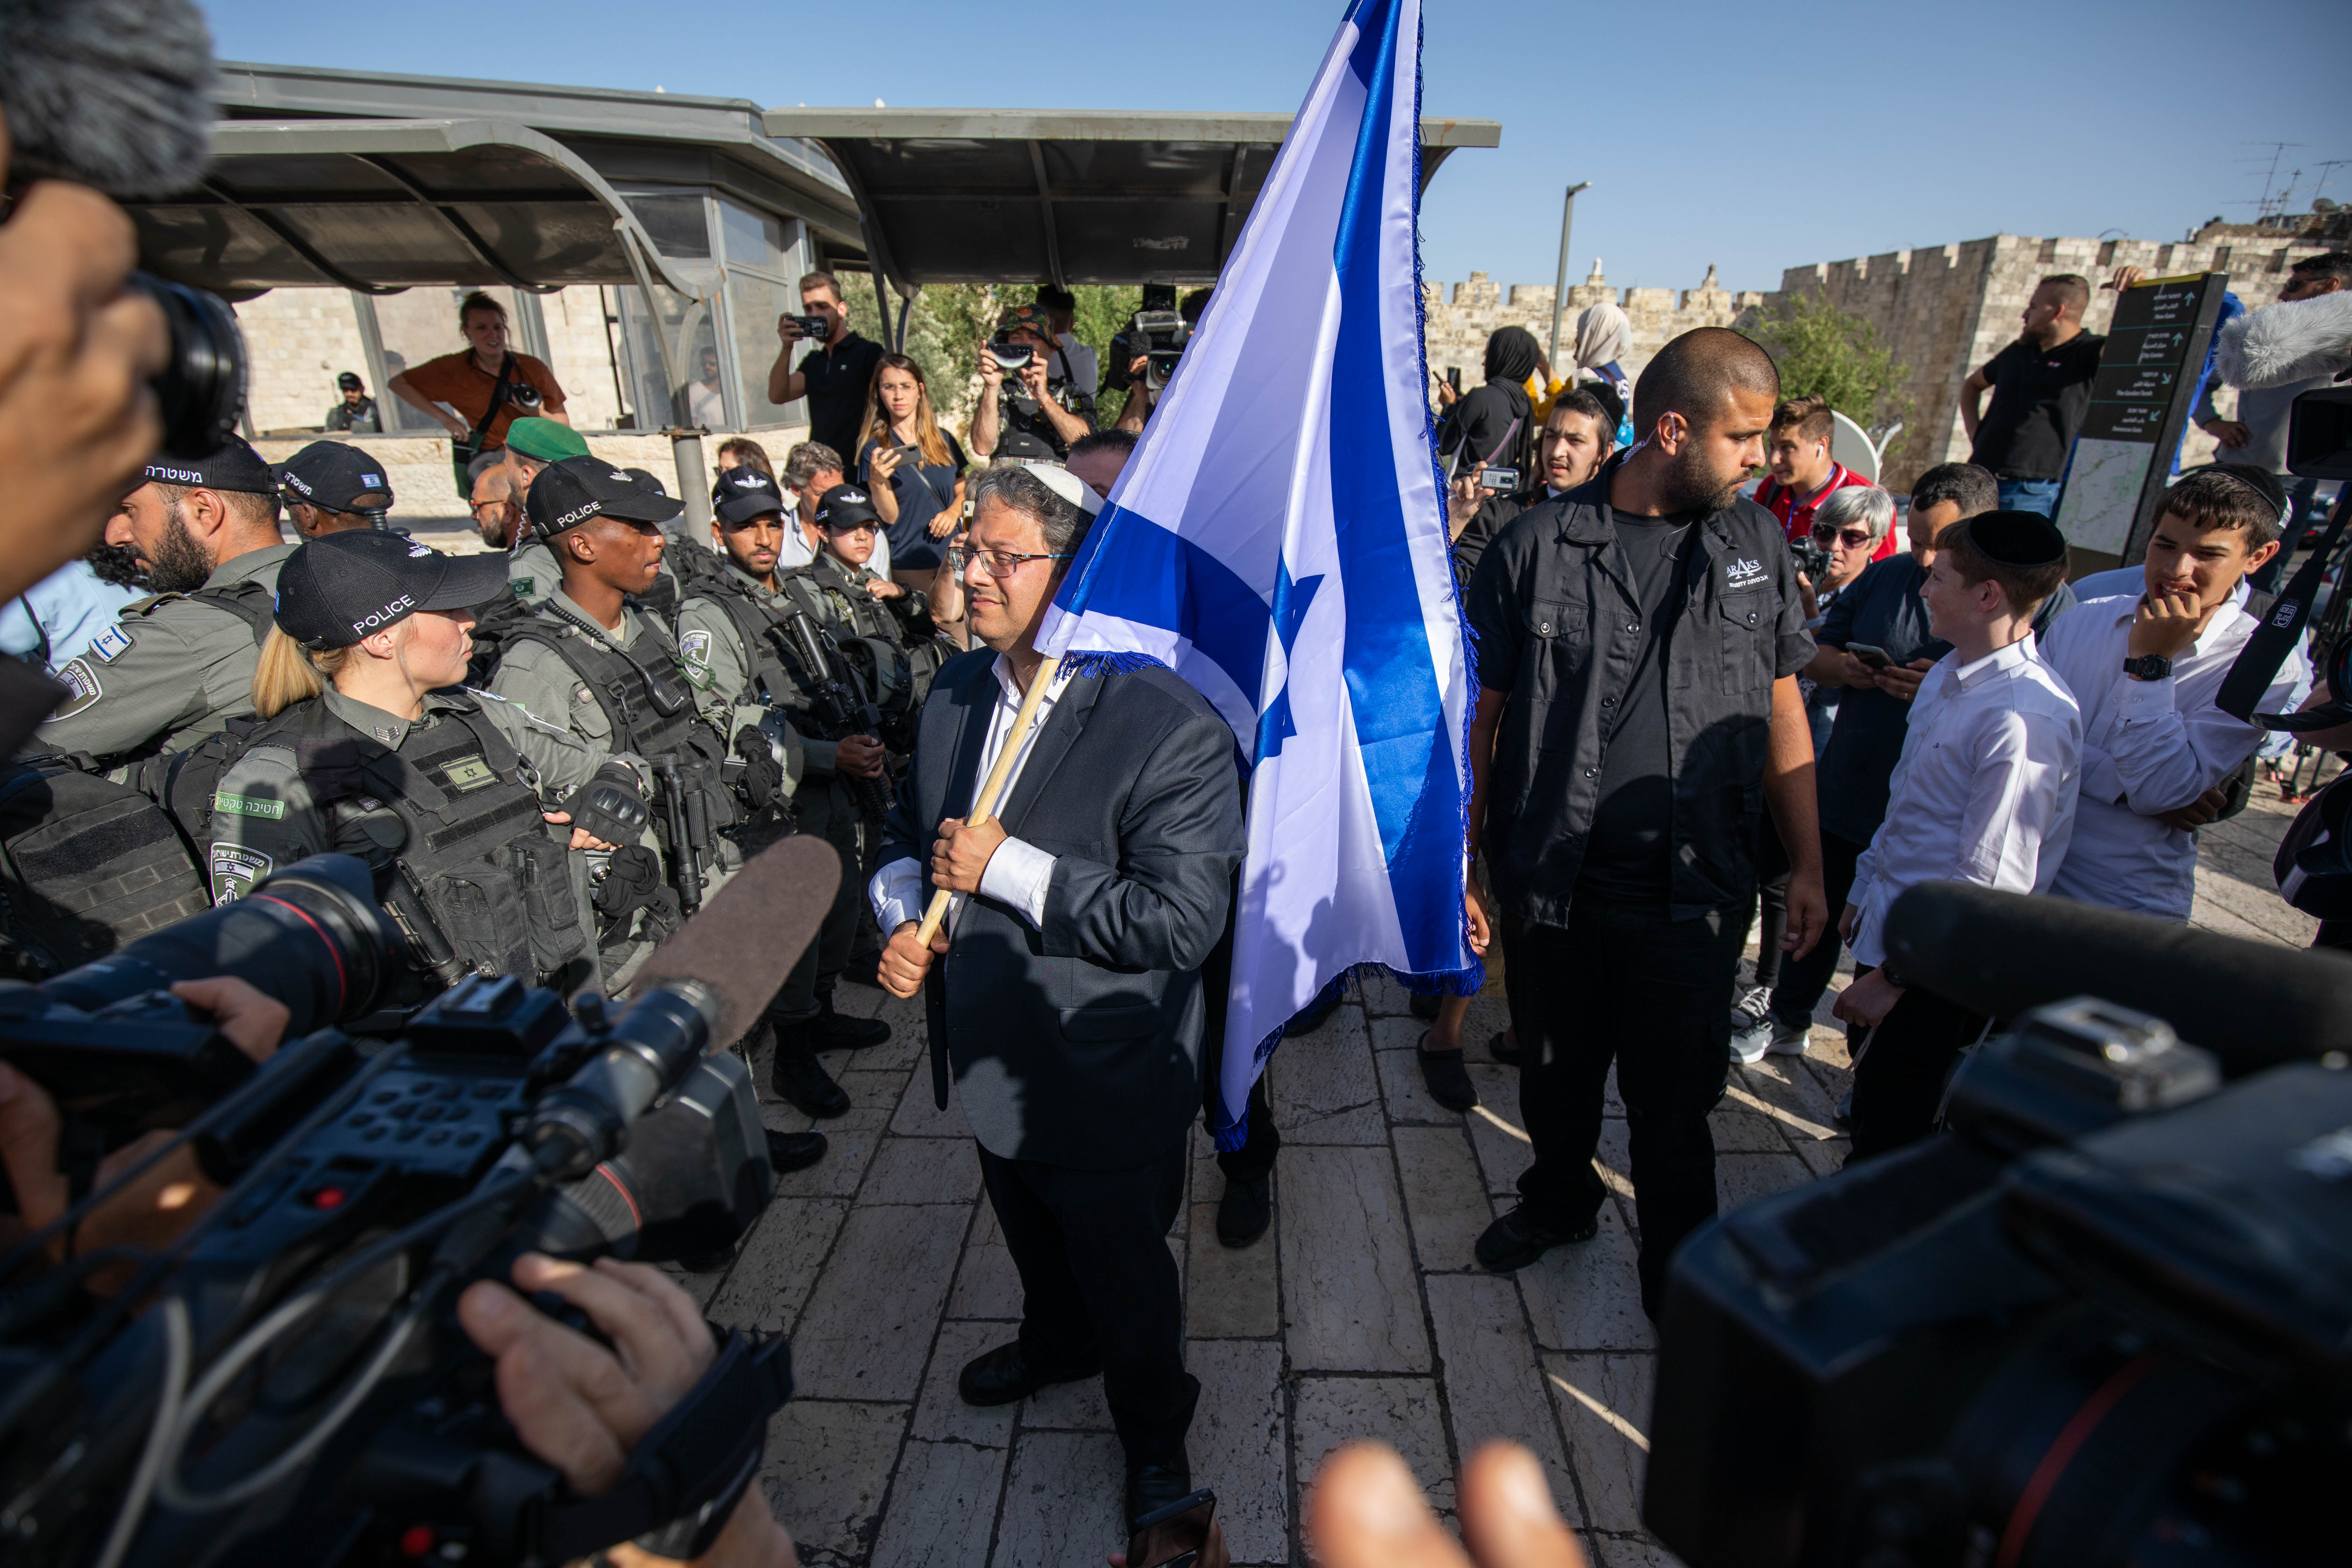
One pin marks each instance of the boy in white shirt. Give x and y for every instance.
(2146, 667)
(1984, 793)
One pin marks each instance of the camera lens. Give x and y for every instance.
(312, 936)
(202, 388)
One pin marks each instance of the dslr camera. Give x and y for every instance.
(286, 1381)
(1156, 332)
(814, 328)
(2105, 1318)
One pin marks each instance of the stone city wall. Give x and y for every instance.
(1457, 330)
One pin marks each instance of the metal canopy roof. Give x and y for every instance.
(979, 195)
(384, 205)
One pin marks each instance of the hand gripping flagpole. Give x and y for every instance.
(992, 786)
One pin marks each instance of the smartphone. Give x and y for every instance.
(1874, 657)
(1500, 480)
(1173, 1536)
(910, 454)
(1453, 378)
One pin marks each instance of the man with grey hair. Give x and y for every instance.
(1071, 1015)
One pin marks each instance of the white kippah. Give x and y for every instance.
(1065, 484)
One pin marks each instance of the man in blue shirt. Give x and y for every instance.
(60, 616)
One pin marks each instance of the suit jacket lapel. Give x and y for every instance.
(974, 705)
(1063, 724)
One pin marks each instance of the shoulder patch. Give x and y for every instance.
(524, 587)
(236, 867)
(81, 684)
(108, 645)
(249, 805)
(695, 648)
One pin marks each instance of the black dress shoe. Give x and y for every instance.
(1005, 1374)
(837, 1032)
(1448, 1080)
(793, 1150)
(800, 1078)
(1150, 1487)
(1425, 1006)
(1517, 1239)
(1502, 1049)
(709, 1262)
(1246, 1210)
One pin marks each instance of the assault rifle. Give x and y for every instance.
(836, 712)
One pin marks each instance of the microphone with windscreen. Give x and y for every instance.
(2252, 1005)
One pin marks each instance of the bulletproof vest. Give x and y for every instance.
(895, 669)
(477, 878)
(86, 865)
(775, 679)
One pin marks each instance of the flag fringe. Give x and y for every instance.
(1107, 661)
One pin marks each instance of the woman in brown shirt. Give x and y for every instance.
(465, 380)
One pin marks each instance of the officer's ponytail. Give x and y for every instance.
(289, 674)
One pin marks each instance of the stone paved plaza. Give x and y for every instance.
(1360, 1313)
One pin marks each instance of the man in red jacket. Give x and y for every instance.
(1803, 472)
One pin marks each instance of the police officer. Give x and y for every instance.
(731, 640)
(467, 807)
(593, 659)
(180, 664)
(331, 487)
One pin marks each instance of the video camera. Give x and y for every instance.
(2105, 1318)
(1156, 332)
(286, 1381)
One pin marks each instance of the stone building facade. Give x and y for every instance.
(1457, 330)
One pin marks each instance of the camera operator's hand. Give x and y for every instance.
(1366, 1511)
(992, 374)
(582, 1407)
(1033, 378)
(252, 1022)
(78, 417)
(906, 960)
(788, 330)
(859, 756)
(150, 1213)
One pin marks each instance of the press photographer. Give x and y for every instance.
(1042, 411)
(836, 375)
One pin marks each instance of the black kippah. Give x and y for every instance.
(2261, 481)
(2019, 539)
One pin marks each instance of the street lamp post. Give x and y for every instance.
(1559, 288)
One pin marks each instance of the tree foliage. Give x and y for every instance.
(949, 324)
(1822, 352)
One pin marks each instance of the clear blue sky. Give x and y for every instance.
(1755, 137)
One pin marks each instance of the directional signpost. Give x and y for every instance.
(2148, 373)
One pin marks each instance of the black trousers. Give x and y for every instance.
(1097, 1284)
(1772, 894)
(826, 813)
(1802, 980)
(1899, 1082)
(1655, 995)
(1255, 1158)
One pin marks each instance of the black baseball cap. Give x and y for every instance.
(747, 493)
(571, 490)
(232, 466)
(729, 481)
(337, 588)
(334, 475)
(648, 479)
(349, 382)
(844, 507)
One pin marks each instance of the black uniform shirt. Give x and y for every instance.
(2039, 398)
(1560, 625)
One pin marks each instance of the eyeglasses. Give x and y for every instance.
(1851, 538)
(491, 506)
(997, 563)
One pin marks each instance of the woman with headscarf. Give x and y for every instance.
(1604, 337)
(1492, 426)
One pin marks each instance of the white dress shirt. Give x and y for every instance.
(1985, 789)
(2149, 746)
(1018, 874)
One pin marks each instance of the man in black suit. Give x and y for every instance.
(1064, 993)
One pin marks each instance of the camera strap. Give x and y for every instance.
(2258, 662)
(685, 1475)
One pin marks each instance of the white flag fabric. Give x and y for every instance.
(1279, 541)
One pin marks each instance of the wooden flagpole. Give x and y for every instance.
(984, 807)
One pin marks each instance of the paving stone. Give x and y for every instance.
(923, 1170)
(1587, 1296)
(1744, 1178)
(1738, 1128)
(1496, 1129)
(1410, 1102)
(827, 1467)
(1237, 1445)
(702, 1286)
(867, 1091)
(1630, 1552)
(1323, 1089)
(1494, 1387)
(942, 1507)
(1825, 1159)
(1384, 998)
(1442, 1195)
(778, 1264)
(918, 1118)
(940, 1414)
(1604, 1406)
(1402, 1033)
(1614, 1158)
(1328, 1413)
(868, 1327)
(986, 1283)
(1067, 1408)
(1232, 1292)
(1804, 1110)
(1350, 1305)
(1062, 1501)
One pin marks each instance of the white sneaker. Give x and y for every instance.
(1752, 1024)
(1788, 1042)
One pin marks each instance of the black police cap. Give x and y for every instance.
(573, 491)
(338, 587)
(729, 481)
(748, 493)
(232, 466)
(349, 382)
(2019, 539)
(845, 506)
(334, 475)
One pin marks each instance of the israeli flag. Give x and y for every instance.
(1279, 541)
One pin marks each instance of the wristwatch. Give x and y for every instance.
(2148, 666)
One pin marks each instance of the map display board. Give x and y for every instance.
(2139, 400)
